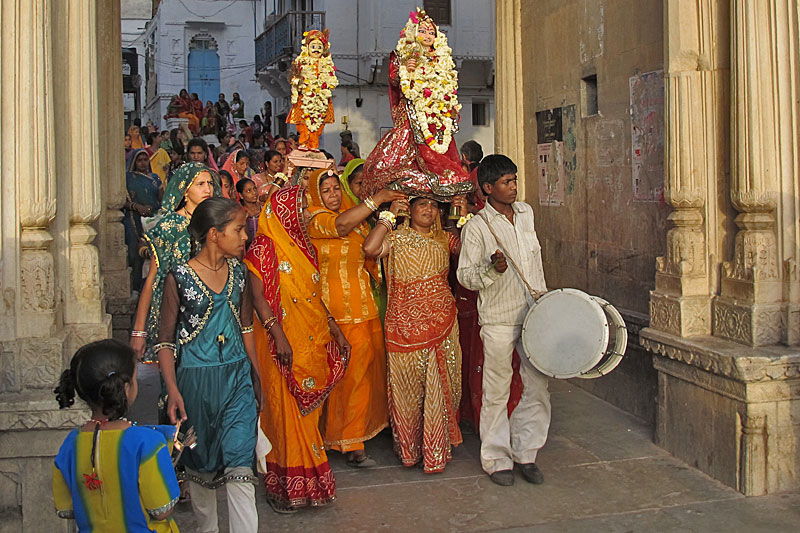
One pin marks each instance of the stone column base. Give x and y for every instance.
(31, 432)
(748, 323)
(680, 315)
(729, 410)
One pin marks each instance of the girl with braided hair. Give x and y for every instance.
(110, 475)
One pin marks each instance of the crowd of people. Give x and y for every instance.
(297, 314)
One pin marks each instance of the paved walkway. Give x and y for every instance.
(602, 473)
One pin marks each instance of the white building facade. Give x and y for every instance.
(363, 34)
(135, 14)
(203, 46)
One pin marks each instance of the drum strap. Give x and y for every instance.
(534, 294)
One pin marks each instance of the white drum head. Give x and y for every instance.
(565, 333)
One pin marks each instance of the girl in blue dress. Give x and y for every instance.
(208, 361)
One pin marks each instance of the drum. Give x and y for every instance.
(568, 333)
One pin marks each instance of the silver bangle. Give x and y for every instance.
(370, 203)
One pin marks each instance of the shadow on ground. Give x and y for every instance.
(602, 473)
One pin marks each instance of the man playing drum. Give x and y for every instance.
(503, 302)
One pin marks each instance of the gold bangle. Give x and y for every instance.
(268, 323)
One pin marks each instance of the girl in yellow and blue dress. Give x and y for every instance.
(110, 475)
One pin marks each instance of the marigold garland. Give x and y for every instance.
(315, 88)
(432, 87)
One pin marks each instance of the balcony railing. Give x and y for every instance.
(282, 37)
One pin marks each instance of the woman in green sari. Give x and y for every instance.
(170, 246)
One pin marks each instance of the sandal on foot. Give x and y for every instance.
(364, 461)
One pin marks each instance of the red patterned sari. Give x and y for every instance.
(283, 258)
(424, 373)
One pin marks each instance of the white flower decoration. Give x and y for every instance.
(314, 80)
(431, 88)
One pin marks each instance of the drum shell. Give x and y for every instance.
(568, 333)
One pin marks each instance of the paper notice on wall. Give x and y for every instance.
(552, 173)
(647, 136)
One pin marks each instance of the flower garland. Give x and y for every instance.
(316, 88)
(432, 87)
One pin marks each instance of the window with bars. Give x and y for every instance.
(439, 11)
(479, 115)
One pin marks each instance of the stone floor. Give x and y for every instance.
(602, 473)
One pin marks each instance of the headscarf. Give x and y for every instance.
(142, 187)
(181, 181)
(136, 138)
(229, 165)
(169, 242)
(316, 206)
(283, 257)
(132, 161)
(344, 179)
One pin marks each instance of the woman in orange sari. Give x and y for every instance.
(285, 279)
(356, 409)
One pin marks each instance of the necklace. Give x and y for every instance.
(187, 213)
(106, 421)
(208, 267)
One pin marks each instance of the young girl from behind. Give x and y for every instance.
(110, 475)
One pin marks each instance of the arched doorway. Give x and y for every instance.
(204, 67)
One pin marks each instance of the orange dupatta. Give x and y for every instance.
(283, 257)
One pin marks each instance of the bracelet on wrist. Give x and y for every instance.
(371, 205)
(138, 333)
(168, 345)
(268, 323)
(247, 329)
(389, 217)
(386, 224)
(280, 179)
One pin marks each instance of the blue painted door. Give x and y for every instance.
(204, 74)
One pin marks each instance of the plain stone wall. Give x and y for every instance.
(633, 385)
(601, 240)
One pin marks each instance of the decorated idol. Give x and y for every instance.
(418, 156)
(313, 80)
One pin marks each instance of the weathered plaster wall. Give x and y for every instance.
(601, 240)
(598, 233)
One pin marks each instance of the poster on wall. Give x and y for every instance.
(551, 173)
(550, 154)
(647, 136)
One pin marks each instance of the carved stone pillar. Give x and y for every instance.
(31, 342)
(749, 309)
(509, 132)
(694, 68)
(113, 256)
(84, 313)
